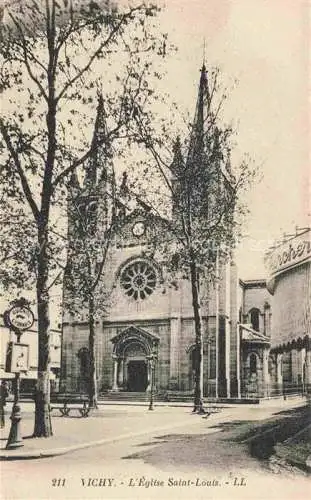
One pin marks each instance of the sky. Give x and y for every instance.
(264, 45)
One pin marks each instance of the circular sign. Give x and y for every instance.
(19, 318)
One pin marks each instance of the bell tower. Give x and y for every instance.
(88, 206)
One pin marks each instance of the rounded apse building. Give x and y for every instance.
(289, 264)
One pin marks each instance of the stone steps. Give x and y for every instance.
(124, 396)
(145, 396)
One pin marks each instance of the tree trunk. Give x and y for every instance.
(43, 425)
(198, 373)
(92, 371)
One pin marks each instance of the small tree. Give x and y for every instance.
(49, 51)
(89, 239)
(204, 224)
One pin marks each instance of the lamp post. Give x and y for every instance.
(152, 360)
(15, 439)
(19, 318)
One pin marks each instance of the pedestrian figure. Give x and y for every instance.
(4, 393)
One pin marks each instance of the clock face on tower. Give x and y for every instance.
(138, 229)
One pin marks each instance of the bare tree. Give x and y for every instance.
(53, 56)
(91, 224)
(203, 222)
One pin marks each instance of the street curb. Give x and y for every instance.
(5, 456)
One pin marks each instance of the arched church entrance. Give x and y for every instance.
(136, 367)
(131, 356)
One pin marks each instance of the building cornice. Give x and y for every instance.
(256, 283)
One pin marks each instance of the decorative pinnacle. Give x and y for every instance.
(204, 56)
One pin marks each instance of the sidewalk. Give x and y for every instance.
(112, 423)
(107, 424)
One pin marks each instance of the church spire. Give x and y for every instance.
(74, 185)
(99, 134)
(196, 146)
(178, 160)
(177, 179)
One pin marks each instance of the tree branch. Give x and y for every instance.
(20, 171)
(97, 52)
(25, 60)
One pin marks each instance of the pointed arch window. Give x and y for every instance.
(254, 318)
(253, 363)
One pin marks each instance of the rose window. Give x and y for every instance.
(138, 280)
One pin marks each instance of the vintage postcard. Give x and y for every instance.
(155, 250)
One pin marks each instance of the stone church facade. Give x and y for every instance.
(146, 316)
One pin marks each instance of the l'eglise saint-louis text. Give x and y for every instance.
(171, 482)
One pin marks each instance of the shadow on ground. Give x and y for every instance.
(232, 446)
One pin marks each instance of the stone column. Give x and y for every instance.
(295, 366)
(234, 354)
(279, 376)
(120, 372)
(265, 372)
(155, 364)
(308, 369)
(174, 355)
(115, 373)
(303, 357)
(148, 375)
(267, 312)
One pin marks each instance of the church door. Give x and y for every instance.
(137, 377)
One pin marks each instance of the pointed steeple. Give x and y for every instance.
(74, 192)
(99, 134)
(217, 151)
(74, 182)
(228, 164)
(178, 161)
(73, 186)
(196, 147)
(177, 179)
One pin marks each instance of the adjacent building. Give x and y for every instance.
(289, 264)
(255, 318)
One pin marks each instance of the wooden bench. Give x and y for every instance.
(70, 402)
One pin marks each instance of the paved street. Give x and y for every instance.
(170, 453)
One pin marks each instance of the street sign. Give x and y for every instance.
(17, 358)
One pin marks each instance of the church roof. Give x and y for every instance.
(251, 335)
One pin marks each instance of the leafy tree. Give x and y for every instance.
(54, 54)
(92, 222)
(203, 223)
(16, 250)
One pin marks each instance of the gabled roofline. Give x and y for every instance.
(254, 336)
(134, 328)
